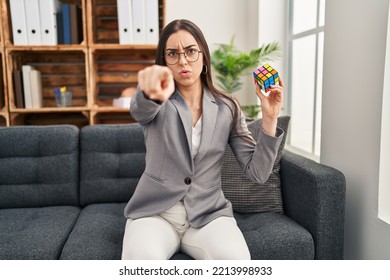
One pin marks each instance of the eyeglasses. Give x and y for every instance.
(173, 57)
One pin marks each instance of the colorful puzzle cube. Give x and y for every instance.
(266, 76)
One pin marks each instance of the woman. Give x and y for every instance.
(178, 204)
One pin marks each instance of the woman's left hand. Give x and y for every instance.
(271, 104)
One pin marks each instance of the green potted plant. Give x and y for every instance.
(230, 65)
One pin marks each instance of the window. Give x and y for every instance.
(305, 52)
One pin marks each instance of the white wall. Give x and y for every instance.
(219, 20)
(355, 39)
(273, 16)
(384, 175)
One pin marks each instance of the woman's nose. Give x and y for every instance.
(182, 58)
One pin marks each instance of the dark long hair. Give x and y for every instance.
(194, 30)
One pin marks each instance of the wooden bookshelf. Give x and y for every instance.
(4, 113)
(96, 70)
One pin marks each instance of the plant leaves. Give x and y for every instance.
(230, 64)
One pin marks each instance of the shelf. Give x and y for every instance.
(79, 119)
(7, 24)
(114, 117)
(97, 70)
(58, 48)
(102, 21)
(113, 72)
(110, 109)
(66, 68)
(3, 84)
(48, 110)
(122, 47)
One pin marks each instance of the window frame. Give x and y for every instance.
(317, 30)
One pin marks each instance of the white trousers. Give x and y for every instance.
(159, 237)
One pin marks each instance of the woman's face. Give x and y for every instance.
(186, 71)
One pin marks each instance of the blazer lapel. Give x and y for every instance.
(185, 116)
(209, 115)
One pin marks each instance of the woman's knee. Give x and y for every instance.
(221, 239)
(150, 238)
(227, 252)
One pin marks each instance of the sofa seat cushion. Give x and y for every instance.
(271, 236)
(274, 236)
(35, 233)
(98, 233)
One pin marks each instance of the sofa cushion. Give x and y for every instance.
(245, 195)
(98, 233)
(112, 161)
(271, 236)
(39, 166)
(274, 236)
(35, 233)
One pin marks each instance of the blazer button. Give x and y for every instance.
(187, 181)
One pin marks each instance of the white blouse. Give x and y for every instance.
(196, 136)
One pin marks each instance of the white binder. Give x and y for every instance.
(48, 10)
(33, 22)
(139, 24)
(125, 22)
(19, 26)
(152, 28)
(36, 88)
(27, 86)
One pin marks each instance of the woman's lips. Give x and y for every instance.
(185, 73)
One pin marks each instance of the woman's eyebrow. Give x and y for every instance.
(190, 46)
(187, 47)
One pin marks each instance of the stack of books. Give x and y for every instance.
(28, 87)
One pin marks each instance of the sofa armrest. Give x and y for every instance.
(314, 196)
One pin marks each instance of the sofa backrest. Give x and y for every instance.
(39, 166)
(112, 161)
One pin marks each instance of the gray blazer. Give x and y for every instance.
(171, 174)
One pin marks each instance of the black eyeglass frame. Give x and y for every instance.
(185, 56)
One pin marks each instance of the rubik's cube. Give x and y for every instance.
(265, 77)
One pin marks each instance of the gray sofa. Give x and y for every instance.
(63, 190)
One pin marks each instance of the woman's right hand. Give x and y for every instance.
(156, 82)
